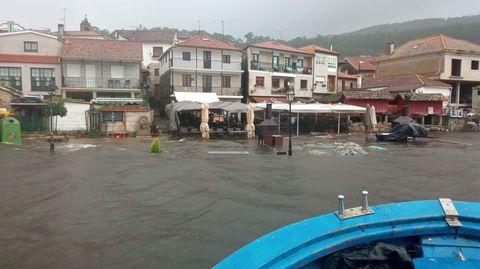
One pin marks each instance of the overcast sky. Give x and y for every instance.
(292, 18)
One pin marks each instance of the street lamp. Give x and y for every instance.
(53, 89)
(290, 97)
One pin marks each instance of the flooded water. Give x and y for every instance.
(109, 203)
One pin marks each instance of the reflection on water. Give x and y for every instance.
(112, 204)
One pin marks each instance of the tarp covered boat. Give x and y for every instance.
(402, 132)
(421, 234)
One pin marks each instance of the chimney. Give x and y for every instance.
(390, 48)
(61, 30)
(359, 82)
(331, 47)
(10, 26)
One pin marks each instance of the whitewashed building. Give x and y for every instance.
(202, 64)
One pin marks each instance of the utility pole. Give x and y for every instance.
(199, 25)
(281, 35)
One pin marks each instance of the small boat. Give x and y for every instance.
(402, 132)
(419, 234)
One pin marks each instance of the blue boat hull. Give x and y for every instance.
(304, 244)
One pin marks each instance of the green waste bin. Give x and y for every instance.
(10, 132)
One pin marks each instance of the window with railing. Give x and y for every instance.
(11, 76)
(30, 46)
(43, 79)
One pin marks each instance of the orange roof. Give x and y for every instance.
(346, 76)
(78, 33)
(80, 48)
(315, 48)
(361, 63)
(207, 42)
(22, 58)
(432, 44)
(275, 45)
(402, 82)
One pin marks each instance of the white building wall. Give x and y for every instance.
(13, 43)
(75, 118)
(147, 49)
(27, 79)
(467, 74)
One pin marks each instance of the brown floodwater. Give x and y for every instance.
(109, 203)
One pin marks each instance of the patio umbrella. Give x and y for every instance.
(204, 125)
(250, 117)
(373, 116)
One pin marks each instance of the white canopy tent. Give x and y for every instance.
(315, 108)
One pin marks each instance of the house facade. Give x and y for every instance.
(438, 57)
(30, 62)
(202, 64)
(154, 42)
(325, 69)
(94, 68)
(346, 81)
(411, 83)
(271, 66)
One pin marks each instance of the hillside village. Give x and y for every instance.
(111, 84)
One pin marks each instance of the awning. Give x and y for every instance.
(200, 97)
(315, 108)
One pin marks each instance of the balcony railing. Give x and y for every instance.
(212, 64)
(270, 67)
(236, 91)
(112, 83)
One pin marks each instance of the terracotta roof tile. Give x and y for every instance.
(361, 63)
(315, 48)
(432, 44)
(411, 81)
(275, 45)
(207, 42)
(76, 48)
(22, 58)
(78, 33)
(346, 76)
(419, 97)
(361, 94)
(162, 36)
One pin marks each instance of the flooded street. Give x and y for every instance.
(106, 203)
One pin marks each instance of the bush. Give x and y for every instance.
(155, 147)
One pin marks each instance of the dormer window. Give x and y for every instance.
(30, 46)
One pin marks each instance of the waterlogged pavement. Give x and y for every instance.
(109, 203)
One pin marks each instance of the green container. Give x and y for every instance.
(10, 132)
